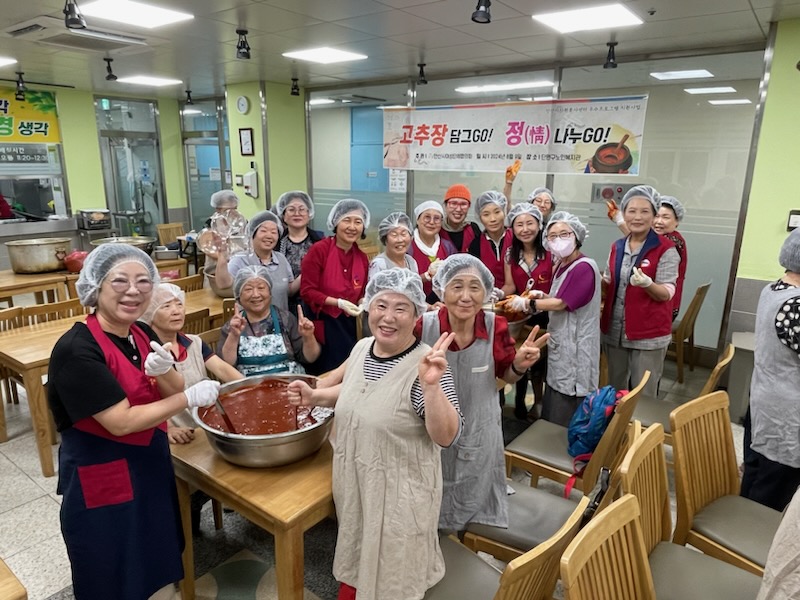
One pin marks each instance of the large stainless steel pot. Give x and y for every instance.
(267, 450)
(147, 244)
(38, 255)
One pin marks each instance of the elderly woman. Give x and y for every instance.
(772, 451)
(111, 397)
(396, 407)
(264, 338)
(455, 227)
(428, 248)
(528, 266)
(334, 277)
(264, 230)
(640, 283)
(493, 244)
(295, 209)
(194, 359)
(473, 469)
(394, 233)
(573, 303)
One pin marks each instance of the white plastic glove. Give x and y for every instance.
(348, 307)
(159, 361)
(203, 393)
(639, 279)
(496, 295)
(520, 304)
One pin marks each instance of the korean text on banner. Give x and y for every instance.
(32, 120)
(595, 135)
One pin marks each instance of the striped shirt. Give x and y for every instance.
(376, 367)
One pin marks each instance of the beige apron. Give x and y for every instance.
(387, 484)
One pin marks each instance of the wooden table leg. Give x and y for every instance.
(187, 583)
(289, 565)
(32, 379)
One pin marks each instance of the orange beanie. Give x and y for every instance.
(458, 191)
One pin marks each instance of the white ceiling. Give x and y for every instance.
(395, 34)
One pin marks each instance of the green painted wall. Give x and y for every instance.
(286, 135)
(169, 120)
(81, 150)
(774, 190)
(241, 164)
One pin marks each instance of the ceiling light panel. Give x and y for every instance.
(690, 74)
(325, 56)
(148, 80)
(725, 89)
(134, 13)
(608, 16)
(4, 61)
(504, 87)
(729, 102)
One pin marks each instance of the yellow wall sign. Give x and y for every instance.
(33, 120)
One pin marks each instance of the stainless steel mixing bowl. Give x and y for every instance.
(271, 450)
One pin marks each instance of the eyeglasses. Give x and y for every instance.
(561, 236)
(123, 285)
(293, 210)
(457, 205)
(432, 219)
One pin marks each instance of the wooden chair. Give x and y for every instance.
(653, 410)
(643, 473)
(532, 576)
(228, 308)
(44, 313)
(168, 233)
(197, 322)
(10, 586)
(189, 284)
(542, 448)
(607, 559)
(712, 516)
(683, 331)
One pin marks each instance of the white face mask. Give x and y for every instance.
(562, 248)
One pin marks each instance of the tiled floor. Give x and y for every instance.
(30, 538)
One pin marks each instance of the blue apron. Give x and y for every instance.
(261, 355)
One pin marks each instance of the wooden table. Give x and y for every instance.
(205, 298)
(27, 351)
(286, 501)
(14, 284)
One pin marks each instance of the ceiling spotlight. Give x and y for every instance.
(242, 47)
(482, 14)
(189, 97)
(20, 94)
(611, 59)
(73, 18)
(109, 73)
(421, 79)
(295, 87)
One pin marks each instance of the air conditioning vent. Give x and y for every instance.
(49, 30)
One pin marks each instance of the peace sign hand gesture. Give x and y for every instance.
(434, 363)
(531, 350)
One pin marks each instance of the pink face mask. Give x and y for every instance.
(562, 248)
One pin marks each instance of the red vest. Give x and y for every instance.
(645, 317)
(497, 265)
(424, 261)
(542, 275)
(680, 245)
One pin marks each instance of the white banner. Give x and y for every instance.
(595, 135)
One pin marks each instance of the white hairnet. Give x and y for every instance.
(393, 221)
(224, 198)
(523, 208)
(490, 197)
(348, 205)
(162, 293)
(790, 252)
(674, 204)
(542, 190)
(265, 216)
(456, 264)
(100, 261)
(648, 192)
(286, 199)
(247, 273)
(574, 223)
(428, 205)
(398, 281)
